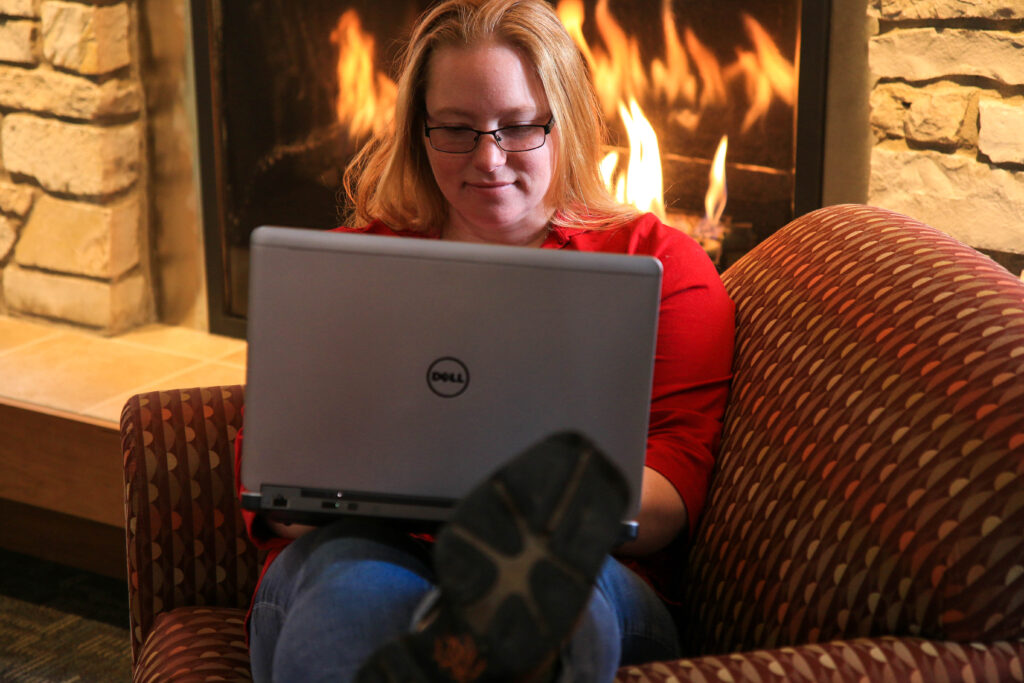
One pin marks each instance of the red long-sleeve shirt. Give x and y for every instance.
(692, 365)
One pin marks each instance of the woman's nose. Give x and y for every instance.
(487, 155)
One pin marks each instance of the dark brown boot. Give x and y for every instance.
(516, 564)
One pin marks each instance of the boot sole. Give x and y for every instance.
(516, 565)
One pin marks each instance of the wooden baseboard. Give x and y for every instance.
(61, 538)
(61, 462)
(61, 489)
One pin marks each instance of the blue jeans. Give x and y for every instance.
(337, 594)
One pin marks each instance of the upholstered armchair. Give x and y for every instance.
(866, 516)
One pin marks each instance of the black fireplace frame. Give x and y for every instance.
(809, 140)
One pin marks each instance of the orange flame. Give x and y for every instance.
(714, 200)
(709, 231)
(619, 71)
(689, 78)
(673, 75)
(366, 98)
(764, 73)
(641, 183)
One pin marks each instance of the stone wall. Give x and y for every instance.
(947, 114)
(73, 228)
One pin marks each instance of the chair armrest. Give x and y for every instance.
(869, 477)
(862, 659)
(186, 542)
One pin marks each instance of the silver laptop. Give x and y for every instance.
(387, 376)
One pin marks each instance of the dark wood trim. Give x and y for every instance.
(809, 155)
(67, 540)
(61, 463)
(205, 22)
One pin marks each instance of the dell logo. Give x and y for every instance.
(447, 377)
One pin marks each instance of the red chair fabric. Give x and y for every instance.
(871, 477)
(186, 542)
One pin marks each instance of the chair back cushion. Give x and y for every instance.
(871, 475)
(187, 545)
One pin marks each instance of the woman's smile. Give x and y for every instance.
(490, 185)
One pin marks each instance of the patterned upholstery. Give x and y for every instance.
(196, 644)
(866, 519)
(186, 542)
(860, 660)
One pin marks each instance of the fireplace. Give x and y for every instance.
(287, 91)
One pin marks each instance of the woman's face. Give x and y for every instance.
(493, 195)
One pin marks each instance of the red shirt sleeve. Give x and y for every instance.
(693, 361)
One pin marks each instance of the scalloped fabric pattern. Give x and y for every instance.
(186, 541)
(195, 644)
(871, 476)
(874, 659)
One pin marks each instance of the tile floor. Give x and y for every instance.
(64, 370)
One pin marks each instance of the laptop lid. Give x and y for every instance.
(388, 376)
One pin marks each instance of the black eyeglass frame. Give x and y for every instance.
(493, 133)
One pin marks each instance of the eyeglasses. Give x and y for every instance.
(462, 140)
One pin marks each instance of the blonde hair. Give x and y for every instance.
(390, 178)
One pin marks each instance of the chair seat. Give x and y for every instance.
(195, 644)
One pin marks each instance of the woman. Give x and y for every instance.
(496, 138)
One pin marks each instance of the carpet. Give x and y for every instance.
(61, 625)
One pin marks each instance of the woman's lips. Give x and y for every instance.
(488, 185)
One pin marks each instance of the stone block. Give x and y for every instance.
(890, 103)
(933, 115)
(8, 235)
(81, 239)
(936, 116)
(72, 158)
(85, 38)
(109, 306)
(922, 54)
(17, 40)
(979, 205)
(1001, 130)
(951, 9)
(44, 90)
(16, 198)
(19, 8)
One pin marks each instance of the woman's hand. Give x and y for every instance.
(662, 516)
(287, 530)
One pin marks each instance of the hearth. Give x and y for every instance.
(277, 81)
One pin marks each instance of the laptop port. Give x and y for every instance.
(330, 505)
(280, 502)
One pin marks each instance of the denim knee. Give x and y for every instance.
(646, 628)
(329, 600)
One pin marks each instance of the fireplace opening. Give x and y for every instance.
(286, 92)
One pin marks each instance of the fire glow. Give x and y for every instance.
(709, 230)
(366, 97)
(641, 183)
(687, 80)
